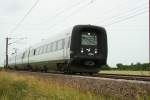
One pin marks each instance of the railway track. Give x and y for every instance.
(110, 76)
(125, 77)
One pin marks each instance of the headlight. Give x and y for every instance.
(96, 51)
(82, 50)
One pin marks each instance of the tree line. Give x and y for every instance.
(133, 67)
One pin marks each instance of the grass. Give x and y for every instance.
(14, 87)
(145, 73)
(20, 86)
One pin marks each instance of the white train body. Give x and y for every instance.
(56, 53)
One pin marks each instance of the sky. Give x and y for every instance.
(126, 23)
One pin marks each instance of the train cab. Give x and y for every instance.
(88, 46)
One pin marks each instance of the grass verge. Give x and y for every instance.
(16, 87)
(144, 73)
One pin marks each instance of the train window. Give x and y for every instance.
(56, 48)
(23, 55)
(38, 51)
(56, 45)
(59, 44)
(53, 46)
(31, 52)
(34, 51)
(69, 41)
(45, 46)
(42, 49)
(63, 43)
(49, 47)
(88, 39)
(27, 53)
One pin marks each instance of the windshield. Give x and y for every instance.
(88, 39)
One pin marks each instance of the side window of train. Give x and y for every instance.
(34, 52)
(26, 54)
(42, 49)
(23, 55)
(41, 52)
(31, 52)
(59, 45)
(56, 45)
(69, 41)
(38, 51)
(45, 48)
(50, 47)
(63, 44)
(53, 46)
(56, 48)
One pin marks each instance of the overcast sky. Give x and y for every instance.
(126, 23)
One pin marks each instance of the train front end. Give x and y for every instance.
(88, 49)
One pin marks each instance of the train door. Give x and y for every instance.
(66, 48)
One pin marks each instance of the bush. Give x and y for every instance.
(134, 67)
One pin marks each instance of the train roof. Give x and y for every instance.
(60, 35)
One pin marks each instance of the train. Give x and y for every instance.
(79, 49)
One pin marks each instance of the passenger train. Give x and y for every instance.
(81, 49)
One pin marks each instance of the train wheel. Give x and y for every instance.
(91, 73)
(45, 68)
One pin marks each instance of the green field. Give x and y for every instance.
(146, 73)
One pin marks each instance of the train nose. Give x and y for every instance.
(89, 63)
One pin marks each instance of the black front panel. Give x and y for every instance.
(88, 45)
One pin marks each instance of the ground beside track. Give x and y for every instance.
(29, 86)
(144, 73)
(118, 89)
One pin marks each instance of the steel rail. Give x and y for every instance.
(110, 76)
